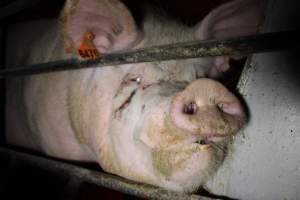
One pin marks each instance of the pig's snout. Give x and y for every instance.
(208, 109)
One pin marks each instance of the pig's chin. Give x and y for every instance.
(186, 168)
(187, 165)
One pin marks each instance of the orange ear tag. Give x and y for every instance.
(87, 49)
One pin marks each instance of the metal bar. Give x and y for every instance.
(234, 46)
(101, 179)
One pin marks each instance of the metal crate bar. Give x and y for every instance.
(233, 46)
(91, 176)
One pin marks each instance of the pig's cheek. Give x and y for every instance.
(164, 135)
(150, 136)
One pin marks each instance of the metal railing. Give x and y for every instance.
(80, 175)
(234, 46)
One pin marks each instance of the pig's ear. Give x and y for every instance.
(109, 21)
(232, 19)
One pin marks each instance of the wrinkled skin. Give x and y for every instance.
(156, 123)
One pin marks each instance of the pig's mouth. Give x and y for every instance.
(206, 141)
(213, 141)
(210, 139)
(203, 142)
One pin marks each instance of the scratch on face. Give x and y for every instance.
(126, 81)
(125, 104)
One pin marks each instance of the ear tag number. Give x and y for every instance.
(87, 49)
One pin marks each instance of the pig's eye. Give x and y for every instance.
(190, 108)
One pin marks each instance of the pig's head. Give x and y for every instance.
(167, 128)
(173, 135)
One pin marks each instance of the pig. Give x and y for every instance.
(162, 123)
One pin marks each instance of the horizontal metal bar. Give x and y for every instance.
(234, 46)
(101, 179)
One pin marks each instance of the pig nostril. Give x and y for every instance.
(190, 108)
(231, 110)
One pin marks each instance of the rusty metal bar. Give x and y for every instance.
(91, 176)
(233, 46)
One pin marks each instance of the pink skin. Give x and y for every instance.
(212, 105)
(235, 18)
(110, 21)
(199, 110)
(190, 135)
(136, 121)
(205, 112)
(115, 28)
